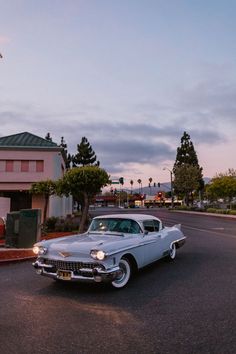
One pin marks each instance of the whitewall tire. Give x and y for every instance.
(172, 254)
(124, 274)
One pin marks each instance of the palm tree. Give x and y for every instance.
(140, 185)
(150, 181)
(131, 184)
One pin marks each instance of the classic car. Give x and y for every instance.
(113, 247)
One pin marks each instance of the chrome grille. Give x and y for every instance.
(73, 266)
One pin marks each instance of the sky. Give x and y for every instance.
(129, 75)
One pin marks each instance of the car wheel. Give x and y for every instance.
(124, 274)
(172, 253)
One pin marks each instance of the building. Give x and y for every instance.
(26, 158)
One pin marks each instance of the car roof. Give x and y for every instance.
(136, 217)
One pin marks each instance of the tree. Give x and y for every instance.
(186, 157)
(85, 155)
(131, 185)
(140, 185)
(186, 180)
(150, 181)
(83, 182)
(223, 186)
(48, 137)
(67, 157)
(45, 188)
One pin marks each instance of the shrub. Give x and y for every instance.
(211, 210)
(70, 223)
(218, 211)
(50, 223)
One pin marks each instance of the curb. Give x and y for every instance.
(15, 260)
(205, 214)
(13, 255)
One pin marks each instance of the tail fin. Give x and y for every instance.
(178, 226)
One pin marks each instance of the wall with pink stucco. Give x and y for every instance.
(52, 167)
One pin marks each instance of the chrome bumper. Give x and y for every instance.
(98, 275)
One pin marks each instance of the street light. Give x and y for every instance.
(171, 185)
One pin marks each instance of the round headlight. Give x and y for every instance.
(96, 254)
(39, 250)
(100, 255)
(36, 249)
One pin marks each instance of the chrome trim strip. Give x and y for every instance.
(179, 240)
(130, 247)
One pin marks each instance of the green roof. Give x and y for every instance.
(26, 140)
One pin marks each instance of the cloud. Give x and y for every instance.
(118, 144)
(4, 39)
(210, 101)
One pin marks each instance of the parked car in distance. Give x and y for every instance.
(112, 248)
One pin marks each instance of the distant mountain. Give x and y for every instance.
(207, 179)
(164, 187)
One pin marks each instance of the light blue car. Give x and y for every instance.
(113, 247)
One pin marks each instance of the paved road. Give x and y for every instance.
(186, 306)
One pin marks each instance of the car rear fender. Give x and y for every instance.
(178, 226)
(178, 243)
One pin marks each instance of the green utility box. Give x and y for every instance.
(23, 228)
(12, 229)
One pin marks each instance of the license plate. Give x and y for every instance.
(64, 275)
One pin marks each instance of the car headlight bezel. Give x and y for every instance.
(39, 250)
(99, 255)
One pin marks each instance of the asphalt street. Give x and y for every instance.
(185, 306)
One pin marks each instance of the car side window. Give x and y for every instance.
(148, 225)
(156, 225)
(151, 225)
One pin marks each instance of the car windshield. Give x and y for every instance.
(115, 225)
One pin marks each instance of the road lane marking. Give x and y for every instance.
(209, 230)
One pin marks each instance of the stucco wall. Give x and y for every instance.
(4, 206)
(52, 166)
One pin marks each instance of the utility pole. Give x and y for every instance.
(171, 186)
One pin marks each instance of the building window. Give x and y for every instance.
(9, 166)
(39, 166)
(25, 166)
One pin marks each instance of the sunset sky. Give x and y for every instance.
(130, 75)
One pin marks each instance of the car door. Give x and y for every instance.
(152, 241)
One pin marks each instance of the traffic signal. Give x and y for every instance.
(121, 180)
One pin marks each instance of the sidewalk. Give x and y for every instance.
(15, 254)
(8, 255)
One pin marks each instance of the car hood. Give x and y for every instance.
(81, 245)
